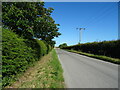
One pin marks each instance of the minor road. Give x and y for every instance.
(85, 72)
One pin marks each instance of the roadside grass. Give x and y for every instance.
(47, 73)
(101, 57)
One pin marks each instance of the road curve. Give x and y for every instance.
(85, 72)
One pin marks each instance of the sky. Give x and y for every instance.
(60, 0)
(81, 0)
(100, 20)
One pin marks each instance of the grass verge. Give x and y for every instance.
(105, 58)
(47, 73)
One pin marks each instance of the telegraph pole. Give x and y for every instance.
(80, 35)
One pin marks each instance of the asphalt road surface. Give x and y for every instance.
(85, 72)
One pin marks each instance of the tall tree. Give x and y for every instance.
(30, 19)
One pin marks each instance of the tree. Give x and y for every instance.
(30, 19)
(63, 45)
(45, 27)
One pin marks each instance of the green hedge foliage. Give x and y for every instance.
(43, 47)
(107, 48)
(18, 54)
(49, 48)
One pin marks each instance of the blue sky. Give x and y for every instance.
(99, 18)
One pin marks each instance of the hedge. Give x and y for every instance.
(43, 47)
(18, 54)
(106, 48)
(49, 48)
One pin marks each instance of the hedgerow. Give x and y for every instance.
(18, 54)
(106, 48)
(43, 47)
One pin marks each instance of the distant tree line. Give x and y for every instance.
(63, 45)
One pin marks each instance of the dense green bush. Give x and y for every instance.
(43, 47)
(48, 47)
(32, 43)
(18, 54)
(107, 48)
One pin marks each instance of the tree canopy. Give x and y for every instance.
(30, 19)
(63, 45)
